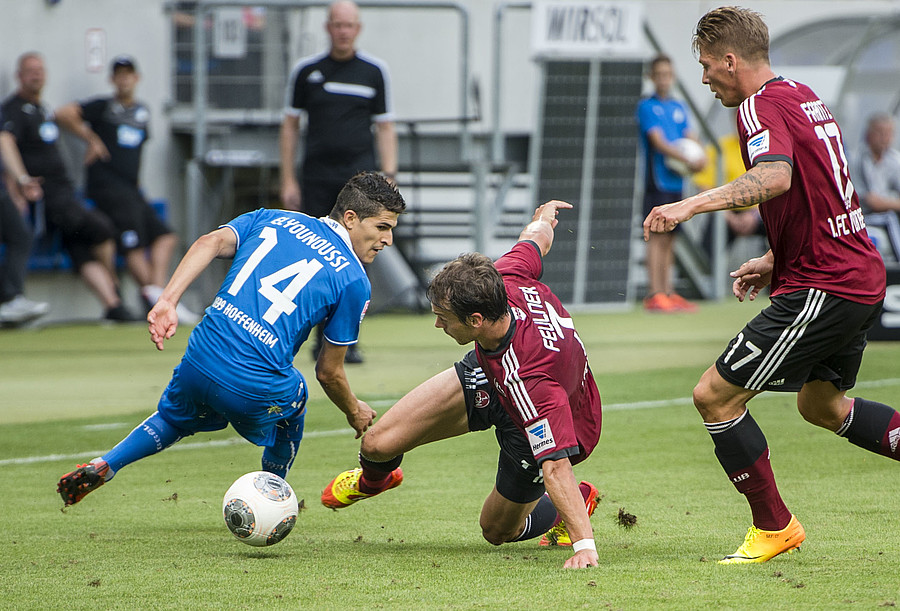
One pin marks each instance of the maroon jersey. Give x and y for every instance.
(541, 372)
(816, 229)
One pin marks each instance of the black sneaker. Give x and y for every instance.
(75, 485)
(120, 313)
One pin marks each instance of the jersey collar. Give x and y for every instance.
(507, 338)
(342, 233)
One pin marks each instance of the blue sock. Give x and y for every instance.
(279, 458)
(151, 436)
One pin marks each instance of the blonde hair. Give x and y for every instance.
(732, 29)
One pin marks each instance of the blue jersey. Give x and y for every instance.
(290, 272)
(670, 116)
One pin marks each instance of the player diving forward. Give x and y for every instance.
(528, 376)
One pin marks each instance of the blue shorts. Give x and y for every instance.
(192, 402)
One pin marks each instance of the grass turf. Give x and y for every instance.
(154, 537)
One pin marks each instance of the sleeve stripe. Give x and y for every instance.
(516, 386)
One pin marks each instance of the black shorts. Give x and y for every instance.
(803, 336)
(81, 228)
(518, 477)
(136, 221)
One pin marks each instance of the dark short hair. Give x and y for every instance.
(469, 284)
(662, 58)
(732, 29)
(122, 61)
(368, 194)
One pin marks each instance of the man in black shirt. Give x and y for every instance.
(16, 237)
(342, 93)
(28, 142)
(115, 129)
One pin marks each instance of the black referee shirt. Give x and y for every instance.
(341, 99)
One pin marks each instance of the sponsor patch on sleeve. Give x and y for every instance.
(364, 310)
(757, 145)
(540, 437)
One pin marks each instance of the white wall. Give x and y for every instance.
(136, 27)
(420, 46)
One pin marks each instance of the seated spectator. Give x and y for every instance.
(115, 129)
(16, 237)
(28, 142)
(875, 171)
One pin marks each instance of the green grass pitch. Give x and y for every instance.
(154, 537)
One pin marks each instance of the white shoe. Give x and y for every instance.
(151, 294)
(20, 310)
(186, 316)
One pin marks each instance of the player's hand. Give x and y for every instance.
(547, 212)
(362, 419)
(665, 218)
(582, 560)
(752, 277)
(96, 151)
(162, 322)
(31, 188)
(290, 195)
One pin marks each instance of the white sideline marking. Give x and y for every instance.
(345, 431)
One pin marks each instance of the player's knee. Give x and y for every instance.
(376, 447)
(704, 399)
(496, 534)
(821, 414)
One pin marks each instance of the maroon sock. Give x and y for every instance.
(757, 483)
(375, 475)
(743, 452)
(873, 426)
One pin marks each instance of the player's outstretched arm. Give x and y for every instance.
(759, 184)
(162, 319)
(543, 222)
(333, 380)
(562, 487)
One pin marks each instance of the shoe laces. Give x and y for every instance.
(349, 484)
(752, 534)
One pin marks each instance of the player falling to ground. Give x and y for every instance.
(528, 376)
(290, 272)
(827, 280)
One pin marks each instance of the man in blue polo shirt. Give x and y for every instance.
(663, 121)
(290, 272)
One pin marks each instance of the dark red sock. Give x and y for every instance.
(873, 426)
(375, 475)
(757, 483)
(743, 452)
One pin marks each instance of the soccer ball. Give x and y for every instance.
(260, 508)
(690, 149)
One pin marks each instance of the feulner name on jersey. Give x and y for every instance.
(544, 317)
(326, 249)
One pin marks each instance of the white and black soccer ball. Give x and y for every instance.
(260, 508)
(690, 149)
